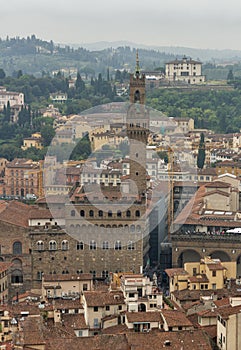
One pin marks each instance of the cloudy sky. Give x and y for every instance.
(190, 23)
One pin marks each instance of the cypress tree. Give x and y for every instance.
(201, 152)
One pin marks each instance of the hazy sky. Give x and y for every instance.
(201, 24)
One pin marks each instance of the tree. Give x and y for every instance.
(201, 152)
(79, 84)
(2, 74)
(230, 76)
(47, 133)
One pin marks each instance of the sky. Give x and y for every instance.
(214, 24)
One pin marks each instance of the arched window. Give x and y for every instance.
(110, 214)
(105, 274)
(128, 213)
(52, 245)
(138, 228)
(92, 245)
(65, 272)
(91, 213)
(118, 245)
(17, 273)
(17, 277)
(82, 213)
(100, 213)
(65, 245)
(93, 273)
(118, 213)
(72, 213)
(79, 272)
(138, 213)
(105, 245)
(130, 245)
(39, 275)
(80, 246)
(132, 228)
(17, 248)
(40, 245)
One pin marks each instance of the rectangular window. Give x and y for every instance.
(107, 308)
(214, 274)
(214, 286)
(95, 308)
(85, 286)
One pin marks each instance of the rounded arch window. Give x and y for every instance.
(92, 245)
(128, 213)
(130, 245)
(17, 248)
(72, 213)
(52, 245)
(105, 245)
(91, 213)
(138, 214)
(65, 245)
(118, 245)
(40, 245)
(82, 213)
(132, 228)
(100, 213)
(80, 245)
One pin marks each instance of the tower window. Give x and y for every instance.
(80, 246)
(118, 245)
(92, 245)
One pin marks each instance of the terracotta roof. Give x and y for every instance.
(32, 333)
(102, 342)
(202, 278)
(211, 331)
(119, 329)
(208, 313)
(186, 295)
(176, 272)
(99, 298)
(4, 266)
(74, 321)
(225, 312)
(188, 340)
(15, 213)
(217, 184)
(175, 318)
(151, 316)
(214, 267)
(61, 304)
(222, 302)
(221, 193)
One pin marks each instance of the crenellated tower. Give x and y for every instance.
(137, 131)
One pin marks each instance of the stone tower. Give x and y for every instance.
(137, 131)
